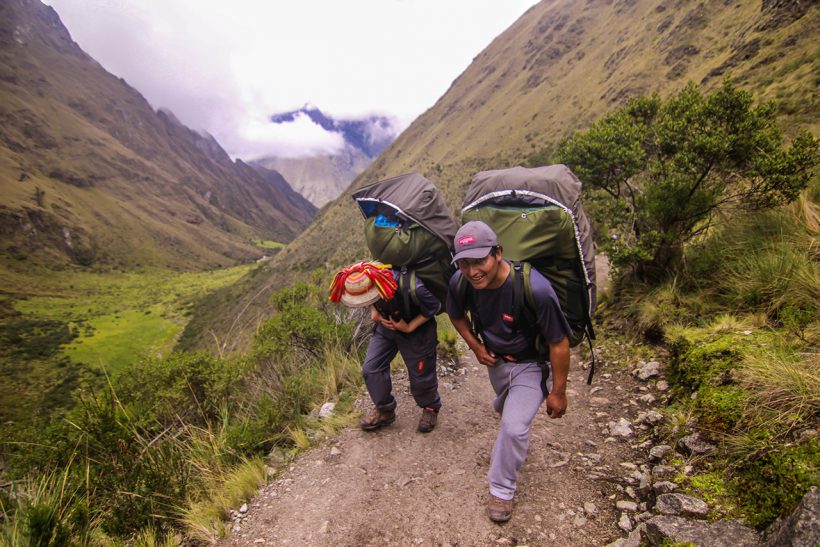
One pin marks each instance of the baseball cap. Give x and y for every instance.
(474, 240)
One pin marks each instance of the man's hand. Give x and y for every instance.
(401, 325)
(556, 404)
(485, 356)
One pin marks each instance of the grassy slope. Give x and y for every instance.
(560, 66)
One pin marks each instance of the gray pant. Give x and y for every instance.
(518, 393)
(418, 349)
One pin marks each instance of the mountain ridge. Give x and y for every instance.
(91, 174)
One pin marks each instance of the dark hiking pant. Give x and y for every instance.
(418, 349)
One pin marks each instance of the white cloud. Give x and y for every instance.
(215, 62)
(255, 138)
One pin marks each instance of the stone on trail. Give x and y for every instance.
(649, 370)
(648, 398)
(632, 540)
(664, 530)
(621, 428)
(657, 453)
(590, 509)
(623, 505)
(664, 487)
(624, 523)
(680, 505)
(335, 451)
(663, 472)
(650, 417)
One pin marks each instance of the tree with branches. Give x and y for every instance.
(664, 169)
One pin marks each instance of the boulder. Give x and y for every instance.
(667, 530)
(678, 504)
(693, 445)
(802, 527)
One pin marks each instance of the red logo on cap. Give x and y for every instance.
(507, 317)
(466, 240)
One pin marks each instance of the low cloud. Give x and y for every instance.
(258, 137)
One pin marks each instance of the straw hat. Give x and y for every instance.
(360, 291)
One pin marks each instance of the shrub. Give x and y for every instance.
(667, 168)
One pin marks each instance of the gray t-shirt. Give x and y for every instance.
(495, 314)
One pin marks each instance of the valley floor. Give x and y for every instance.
(400, 487)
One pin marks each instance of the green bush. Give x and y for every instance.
(669, 167)
(191, 387)
(305, 322)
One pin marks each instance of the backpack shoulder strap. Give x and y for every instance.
(465, 295)
(523, 299)
(412, 288)
(524, 308)
(407, 288)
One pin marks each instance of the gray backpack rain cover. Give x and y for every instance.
(555, 184)
(409, 225)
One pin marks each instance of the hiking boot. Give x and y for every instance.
(428, 420)
(499, 510)
(376, 419)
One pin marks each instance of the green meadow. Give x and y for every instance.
(116, 317)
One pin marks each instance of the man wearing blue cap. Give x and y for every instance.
(508, 351)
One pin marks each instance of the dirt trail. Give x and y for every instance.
(400, 487)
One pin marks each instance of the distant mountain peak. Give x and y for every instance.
(370, 134)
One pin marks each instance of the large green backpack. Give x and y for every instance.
(538, 218)
(408, 225)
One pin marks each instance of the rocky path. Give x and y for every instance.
(400, 487)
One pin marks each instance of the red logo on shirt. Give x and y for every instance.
(466, 240)
(507, 317)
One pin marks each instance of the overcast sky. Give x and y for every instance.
(225, 66)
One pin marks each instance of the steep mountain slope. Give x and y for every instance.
(320, 178)
(562, 65)
(91, 174)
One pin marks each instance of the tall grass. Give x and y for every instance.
(48, 510)
(785, 389)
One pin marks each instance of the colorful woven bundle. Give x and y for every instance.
(380, 274)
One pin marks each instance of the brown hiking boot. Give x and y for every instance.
(376, 419)
(428, 420)
(499, 510)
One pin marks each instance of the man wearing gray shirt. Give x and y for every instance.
(508, 351)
